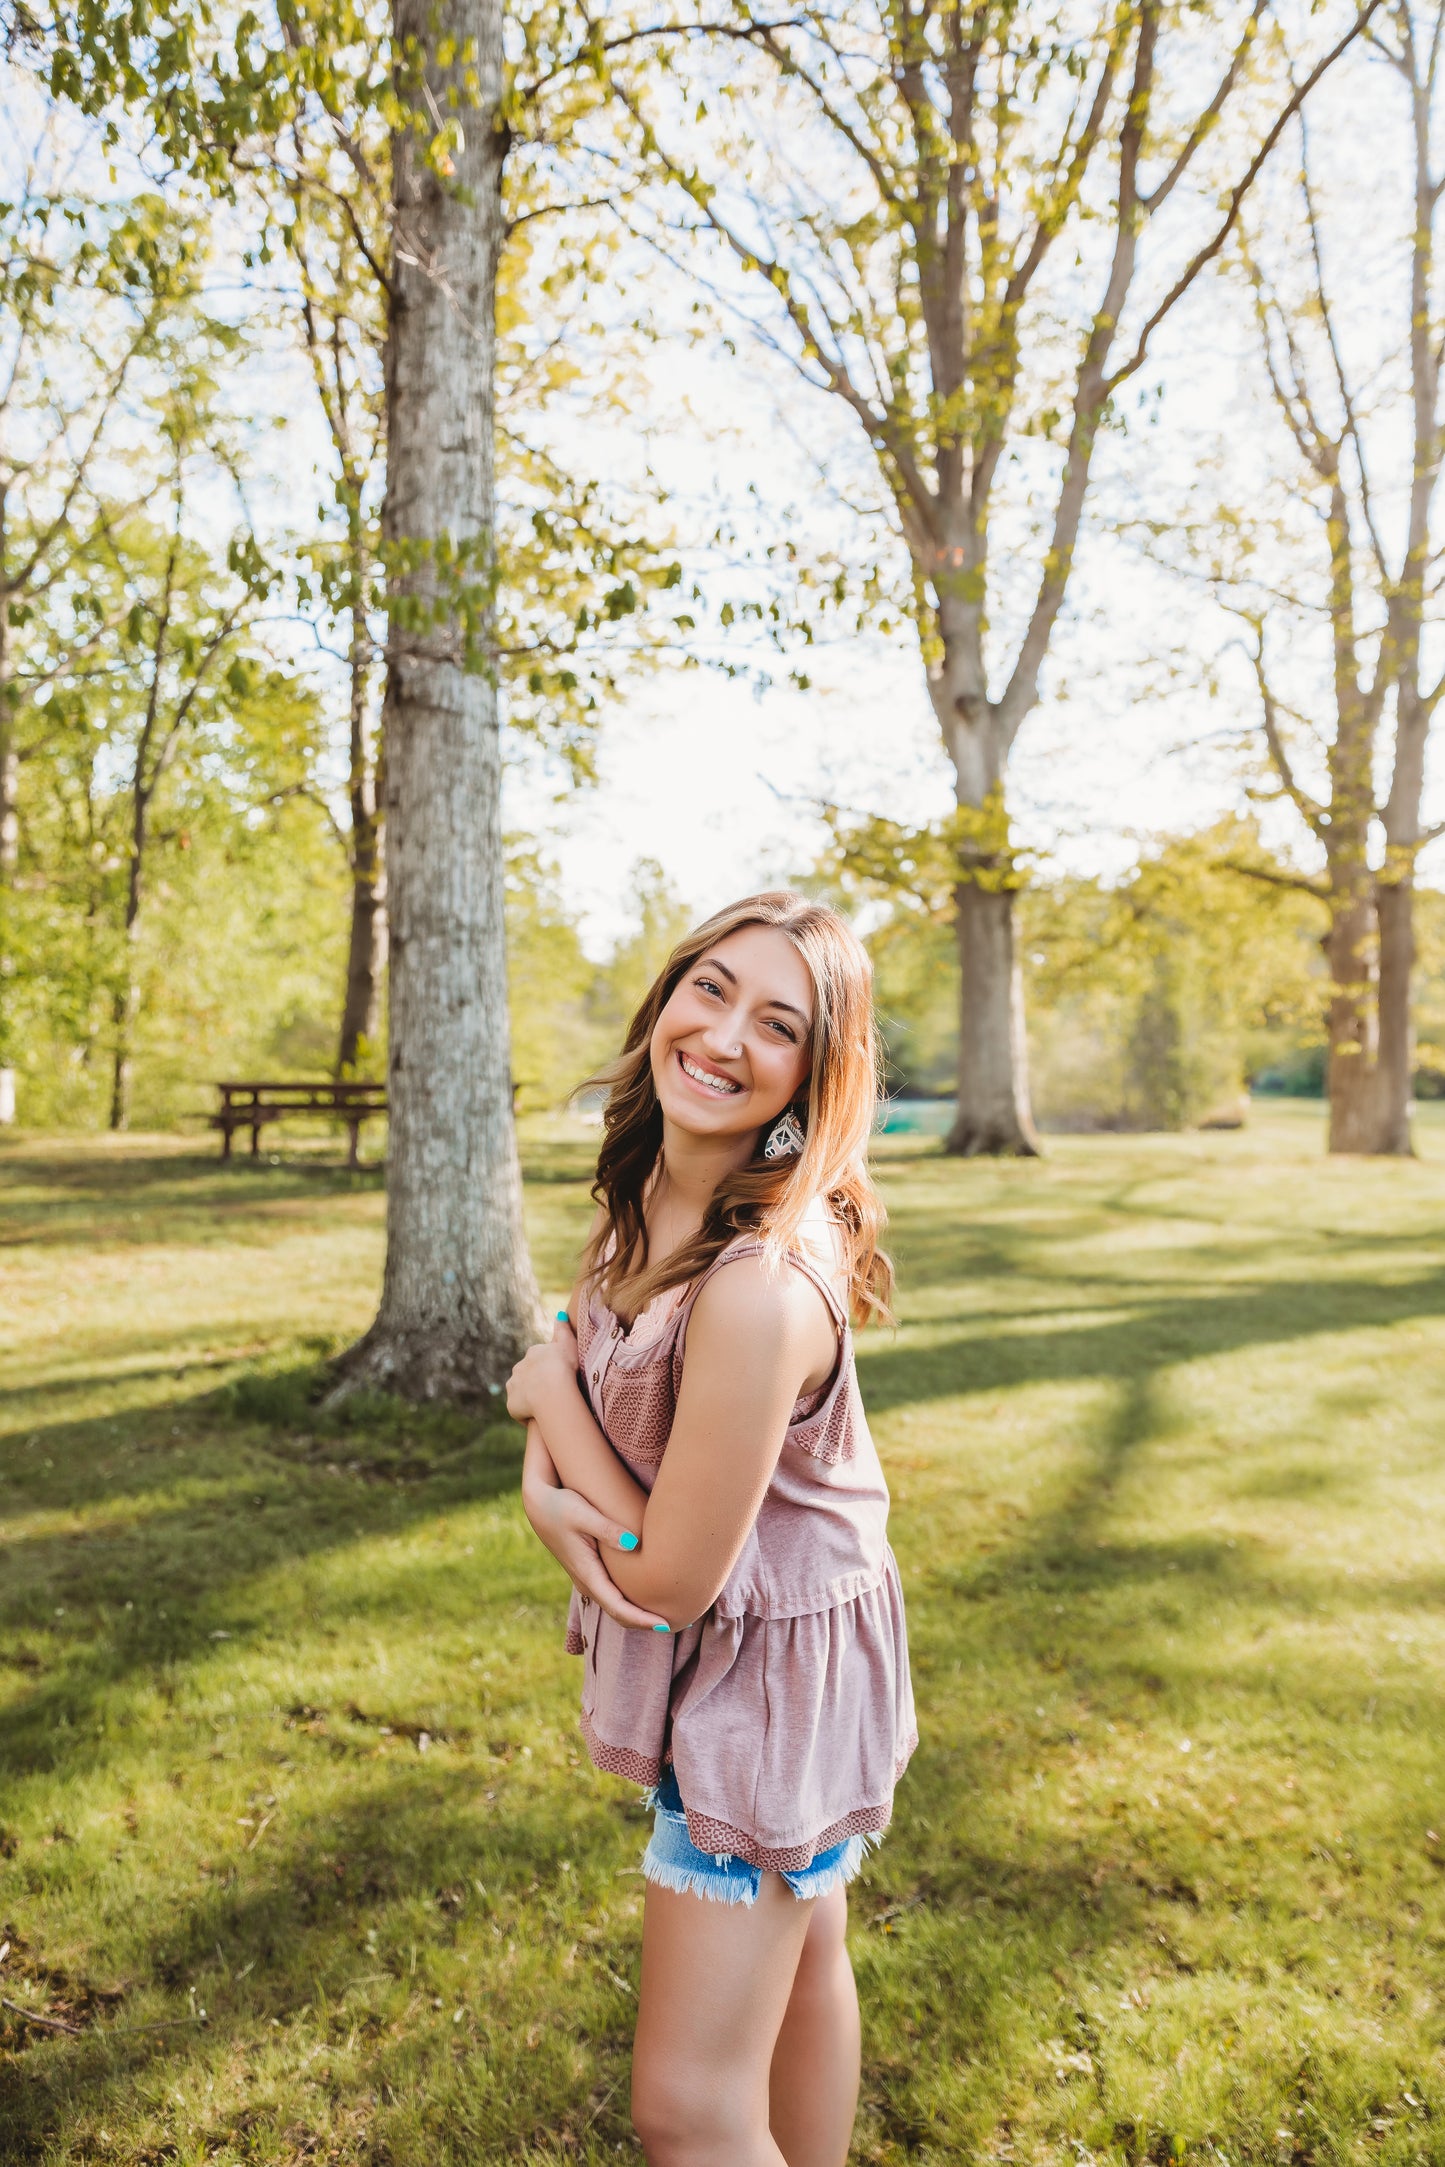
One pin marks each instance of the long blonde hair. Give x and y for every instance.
(768, 1197)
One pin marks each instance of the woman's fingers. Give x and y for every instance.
(607, 1534)
(592, 1580)
(576, 1533)
(593, 1536)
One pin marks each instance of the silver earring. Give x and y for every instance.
(785, 1138)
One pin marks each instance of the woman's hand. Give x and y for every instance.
(577, 1534)
(544, 1370)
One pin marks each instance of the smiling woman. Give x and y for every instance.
(703, 1428)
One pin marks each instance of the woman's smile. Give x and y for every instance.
(712, 1080)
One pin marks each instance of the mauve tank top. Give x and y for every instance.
(786, 1712)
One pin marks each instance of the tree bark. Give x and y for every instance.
(994, 1115)
(1353, 1019)
(9, 865)
(459, 1302)
(1414, 706)
(9, 831)
(125, 998)
(1395, 1058)
(366, 952)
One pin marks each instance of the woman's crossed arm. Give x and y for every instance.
(758, 1337)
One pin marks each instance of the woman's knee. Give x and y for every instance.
(687, 2115)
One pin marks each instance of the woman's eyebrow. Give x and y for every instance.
(716, 963)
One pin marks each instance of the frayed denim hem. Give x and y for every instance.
(673, 1861)
(834, 1871)
(714, 1888)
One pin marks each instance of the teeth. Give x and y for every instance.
(723, 1086)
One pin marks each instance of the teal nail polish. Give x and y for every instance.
(562, 1317)
(627, 1542)
(662, 1629)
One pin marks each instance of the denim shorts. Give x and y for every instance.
(673, 1861)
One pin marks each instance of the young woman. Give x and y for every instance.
(744, 1640)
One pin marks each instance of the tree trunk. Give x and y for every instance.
(9, 864)
(1394, 911)
(122, 1011)
(9, 843)
(994, 1115)
(366, 954)
(1353, 1022)
(365, 961)
(126, 999)
(459, 1302)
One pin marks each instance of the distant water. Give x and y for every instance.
(916, 1117)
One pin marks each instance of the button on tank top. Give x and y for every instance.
(786, 1712)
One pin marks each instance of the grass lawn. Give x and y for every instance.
(297, 1853)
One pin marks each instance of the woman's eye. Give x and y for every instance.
(708, 985)
(785, 1031)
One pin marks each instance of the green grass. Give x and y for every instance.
(287, 1736)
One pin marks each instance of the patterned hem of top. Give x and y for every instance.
(619, 1760)
(869, 1821)
(721, 1837)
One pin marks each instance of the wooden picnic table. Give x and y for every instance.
(252, 1105)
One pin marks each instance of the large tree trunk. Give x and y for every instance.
(993, 1115)
(459, 1302)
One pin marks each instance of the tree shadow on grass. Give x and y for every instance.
(1156, 1333)
(350, 1920)
(164, 1203)
(1013, 1928)
(259, 1482)
(348, 1925)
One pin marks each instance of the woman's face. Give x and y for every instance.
(733, 1046)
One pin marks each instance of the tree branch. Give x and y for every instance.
(1212, 247)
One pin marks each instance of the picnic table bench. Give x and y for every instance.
(252, 1105)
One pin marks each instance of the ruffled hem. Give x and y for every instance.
(620, 1760)
(868, 1822)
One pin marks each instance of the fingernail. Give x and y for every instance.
(626, 1542)
(662, 1629)
(561, 1316)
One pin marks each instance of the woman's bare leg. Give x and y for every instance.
(715, 1985)
(813, 2090)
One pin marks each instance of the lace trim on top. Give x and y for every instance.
(634, 1378)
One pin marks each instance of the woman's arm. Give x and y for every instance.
(577, 1534)
(543, 1389)
(755, 1338)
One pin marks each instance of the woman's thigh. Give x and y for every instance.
(715, 1985)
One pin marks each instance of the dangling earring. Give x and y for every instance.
(786, 1137)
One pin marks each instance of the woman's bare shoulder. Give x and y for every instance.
(757, 1298)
